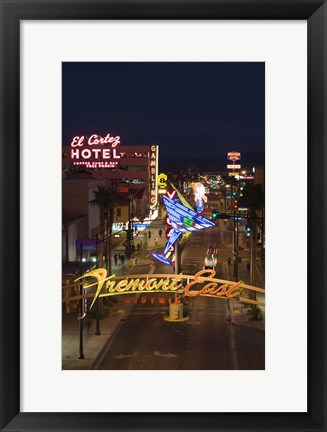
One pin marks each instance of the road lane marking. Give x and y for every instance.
(169, 355)
(121, 356)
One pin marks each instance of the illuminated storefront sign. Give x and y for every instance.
(202, 284)
(118, 226)
(233, 166)
(199, 192)
(153, 176)
(95, 151)
(162, 181)
(233, 156)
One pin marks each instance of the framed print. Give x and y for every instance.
(195, 299)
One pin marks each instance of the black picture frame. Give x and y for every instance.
(12, 12)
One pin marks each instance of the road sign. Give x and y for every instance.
(140, 225)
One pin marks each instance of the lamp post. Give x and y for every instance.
(97, 312)
(252, 264)
(130, 224)
(81, 353)
(129, 233)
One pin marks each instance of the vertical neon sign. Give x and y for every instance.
(153, 176)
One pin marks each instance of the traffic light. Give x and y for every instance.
(214, 214)
(235, 203)
(248, 228)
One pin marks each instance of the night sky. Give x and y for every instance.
(188, 109)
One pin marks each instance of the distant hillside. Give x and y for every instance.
(213, 163)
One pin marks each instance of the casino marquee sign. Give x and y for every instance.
(202, 284)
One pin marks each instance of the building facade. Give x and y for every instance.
(131, 170)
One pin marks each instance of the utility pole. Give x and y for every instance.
(176, 264)
(252, 262)
(235, 245)
(252, 252)
(262, 235)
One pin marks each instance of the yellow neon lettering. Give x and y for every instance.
(132, 285)
(110, 286)
(198, 279)
(209, 288)
(171, 283)
(165, 285)
(120, 287)
(141, 285)
(175, 281)
(230, 293)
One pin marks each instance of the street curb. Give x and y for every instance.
(167, 319)
(107, 344)
(248, 326)
(111, 337)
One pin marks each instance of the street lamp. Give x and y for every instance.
(81, 353)
(129, 231)
(97, 312)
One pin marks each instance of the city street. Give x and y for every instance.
(196, 246)
(206, 341)
(161, 205)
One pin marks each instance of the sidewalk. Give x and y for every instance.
(240, 317)
(240, 310)
(93, 345)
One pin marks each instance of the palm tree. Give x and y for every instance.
(105, 199)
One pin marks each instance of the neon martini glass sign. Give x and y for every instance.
(183, 220)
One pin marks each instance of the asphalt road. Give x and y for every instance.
(196, 246)
(207, 341)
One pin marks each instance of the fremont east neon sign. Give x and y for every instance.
(186, 284)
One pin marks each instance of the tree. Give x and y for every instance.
(105, 199)
(253, 198)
